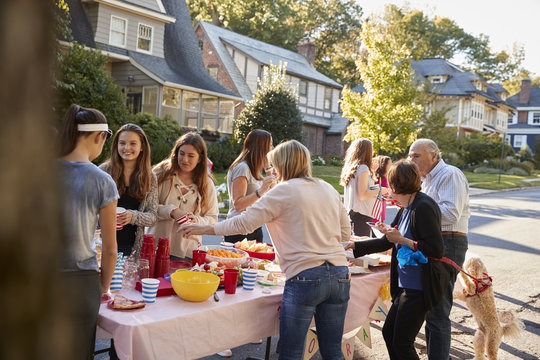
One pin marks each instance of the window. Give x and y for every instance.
(171, 103)
(536, 118)
(213, 71)
(437, 79)
(190, 109)
(302, 89)
(150, 95)
(144, 38)
(512, 119)
(118, 32)
(209, 112)
(134, 99)
(520, 141)
(327, 98)
(226, 116)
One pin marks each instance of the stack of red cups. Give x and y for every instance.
(162, 257)
(148, 251)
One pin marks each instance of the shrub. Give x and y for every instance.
(516, 171)
(485, 170)
(537, 151)
(317, 160)
(162, 133)
(222, 153)
(527, 166)
(333, 160)
(273, 108)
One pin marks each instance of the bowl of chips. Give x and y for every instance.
(256, 249)
(226, 257)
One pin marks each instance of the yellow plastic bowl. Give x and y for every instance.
(194, 285)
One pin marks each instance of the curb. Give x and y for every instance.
(487, 191)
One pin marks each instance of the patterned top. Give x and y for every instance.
(447, 185)
(147, 213)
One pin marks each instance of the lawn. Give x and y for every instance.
(331, 175)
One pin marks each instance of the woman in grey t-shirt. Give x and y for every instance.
(244, 180)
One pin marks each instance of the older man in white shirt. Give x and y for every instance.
(448, 186)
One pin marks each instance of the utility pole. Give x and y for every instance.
(502, 155)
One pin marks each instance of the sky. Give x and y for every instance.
(504, 21)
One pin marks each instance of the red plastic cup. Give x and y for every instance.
(230, 280)
(198, 257)
(182, 220)
(119, 210)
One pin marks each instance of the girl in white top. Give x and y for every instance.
(360, 193)
(245, 182)
(184, 188)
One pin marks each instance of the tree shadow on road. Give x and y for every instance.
(493, 242)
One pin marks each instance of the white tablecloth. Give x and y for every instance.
(174, 328)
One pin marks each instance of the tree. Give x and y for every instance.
(537, 152)
(333, 25)
(273, 108)
(442, 37)
(82, 79)
(389, 111)
(434, 127)
(513, 85)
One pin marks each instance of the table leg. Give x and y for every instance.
(267, 352)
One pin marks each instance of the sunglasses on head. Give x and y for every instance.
(108, 133)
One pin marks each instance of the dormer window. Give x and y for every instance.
(118, 33)
(437, 79)
(144, 38)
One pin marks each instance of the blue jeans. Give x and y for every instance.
(323, 292)
(438, 326)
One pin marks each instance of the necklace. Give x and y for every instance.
(409, 201)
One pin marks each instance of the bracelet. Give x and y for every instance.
(257, 193)
(415, 245)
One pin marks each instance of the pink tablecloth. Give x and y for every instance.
(174, 328)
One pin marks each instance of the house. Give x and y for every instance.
(473, 104)
(154, 56)
(237, 61)
(524, 127)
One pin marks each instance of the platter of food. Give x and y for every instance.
(121, 303)
(256, 249)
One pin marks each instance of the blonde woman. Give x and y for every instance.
(360, 192)
(306, 221)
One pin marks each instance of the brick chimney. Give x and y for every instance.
(525, 93)
(307, 49)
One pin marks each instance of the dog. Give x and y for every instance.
(478, 295)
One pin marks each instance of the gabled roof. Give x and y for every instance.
(458, 83)
(534, 99)
(262, 53)
(182, 65)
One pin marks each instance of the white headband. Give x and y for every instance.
(93, 127)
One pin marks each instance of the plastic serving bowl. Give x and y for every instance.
(260, 255)
(223, 261)
(193, 285)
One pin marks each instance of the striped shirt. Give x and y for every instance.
(447, 185)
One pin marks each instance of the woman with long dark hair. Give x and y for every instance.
(184, 188)
(360, 192)
(129, 166)
(245, 182)
(88, 192)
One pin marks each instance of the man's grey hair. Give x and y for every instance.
(430, 146)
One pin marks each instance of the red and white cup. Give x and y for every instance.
(182, 220)
(119, 211)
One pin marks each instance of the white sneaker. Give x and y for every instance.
(225, 353)
(257, 342)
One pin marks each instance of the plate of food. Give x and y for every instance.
(256, 249)
(358, 270)
(121, 303)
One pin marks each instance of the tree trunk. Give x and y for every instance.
(31, 317)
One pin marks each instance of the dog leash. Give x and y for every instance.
(482, 283)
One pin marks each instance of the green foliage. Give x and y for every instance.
(162, 133)
(537, 151)
(513, 85)
(440, 37)
(525, 153)
(273, 108)
(476, 148)
(332, 25)
(333, 160)
(223, 152)
(526, 166)
(516, 171)
(434, 128)
(485, 170)
(317, 160)
(389, 111)
(82, 79)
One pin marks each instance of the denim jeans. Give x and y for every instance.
(323, 292)
(438, 326)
